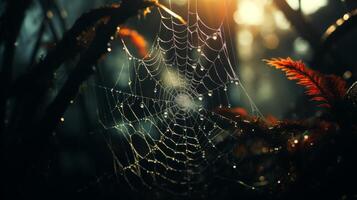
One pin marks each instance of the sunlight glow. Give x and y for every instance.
(171, 79)
(185, 102)
(301, 46)
(280, 20)
(308, 6)
(250, 12)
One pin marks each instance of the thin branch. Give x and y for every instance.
(11, 23)
(30, 89)
(302, 26)
(85, 66)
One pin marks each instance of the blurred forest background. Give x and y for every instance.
(81, 163)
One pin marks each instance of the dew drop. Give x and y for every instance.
(165, 114)
(200, 98)
(214, 37)
(210, 93)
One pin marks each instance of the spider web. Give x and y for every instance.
(164, 131)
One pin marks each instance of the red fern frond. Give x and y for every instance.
(325, 89)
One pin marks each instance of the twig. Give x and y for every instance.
(38, 42)
(299, 22)
(32, 87)
(85, 66)
(10, 28)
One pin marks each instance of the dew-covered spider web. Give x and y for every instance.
(164, 131)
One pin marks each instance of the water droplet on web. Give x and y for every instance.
(200, 97)
(165, 114)
(210, 93)
(214, 37)
(199, 49)
(142, 105)
(194, 66)
(236, 83)
(225, 88)
(202, 68)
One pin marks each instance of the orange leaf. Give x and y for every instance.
(138, 40)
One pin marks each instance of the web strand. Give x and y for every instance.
(164, 131)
